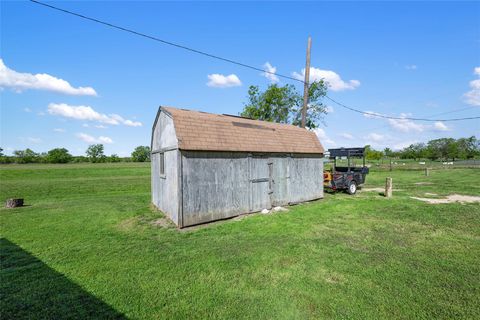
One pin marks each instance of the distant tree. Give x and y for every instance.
(4, 158)
(25, 156)
(388, 153)
(414, 151)
(371, 154)
(283, 104)
(95, 153)
(113, 158)
(468, 148)
(58, 155)
(79, 159)
(443, 148)
(141, 154)
(452, 149)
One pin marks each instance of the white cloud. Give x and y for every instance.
(90, 139)
(101, 126)
(440, 126)
(346, 135)
(472, 97)
(376, 137)
(131, 123)
(88, 113)
(85, 125)
(59, 130)
(411, 67)
(323, 137)
(335, 83)
(270, 74)
(405, 125)
(27, 109)
(329, 109)
(220, 81)
(23, 81)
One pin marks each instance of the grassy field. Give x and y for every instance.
(86, 247)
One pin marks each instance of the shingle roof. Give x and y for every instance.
(203, 131)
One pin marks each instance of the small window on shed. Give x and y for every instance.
(161, 163)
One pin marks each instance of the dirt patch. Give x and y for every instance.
(128, 224)
(162, 223)
(423, 183)
(431, 194)
(450, 199)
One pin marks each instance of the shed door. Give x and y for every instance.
(261, 181)
(280, 181)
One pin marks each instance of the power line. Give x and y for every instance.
(163, 41)
(233, 62)
(433, 115)
(378, 115)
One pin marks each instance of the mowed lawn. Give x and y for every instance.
(86, 247)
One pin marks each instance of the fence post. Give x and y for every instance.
(388, 188)
(426, 172)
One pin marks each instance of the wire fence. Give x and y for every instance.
(406, 164)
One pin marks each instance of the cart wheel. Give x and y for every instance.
(352, 187)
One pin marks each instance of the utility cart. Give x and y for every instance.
(347, 177)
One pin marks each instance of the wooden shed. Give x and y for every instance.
(207, 167)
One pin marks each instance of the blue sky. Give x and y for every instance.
(394, 58)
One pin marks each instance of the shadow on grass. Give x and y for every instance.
(29, 289)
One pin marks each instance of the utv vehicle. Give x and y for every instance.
(347, 177)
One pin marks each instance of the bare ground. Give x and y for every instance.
(450, 199)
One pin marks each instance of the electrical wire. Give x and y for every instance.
(378, 115)
(164, 41)
(235, 62)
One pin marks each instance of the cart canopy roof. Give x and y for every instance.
(346, 152)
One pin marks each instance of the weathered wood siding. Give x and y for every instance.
(219, 185)
(214, 186)
(165, 188)
(306, 178)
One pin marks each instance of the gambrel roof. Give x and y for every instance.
(203, 131)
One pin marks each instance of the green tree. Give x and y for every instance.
(388, 153)
(26, 156)
(113, 158)
(441, 148)
(414, 151)
(95, 153)
(141, 154)
(4, 158)
(58, 155)
(371, 154)
(468, 148)
(283, 104)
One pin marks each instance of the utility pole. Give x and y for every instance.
(306, 83)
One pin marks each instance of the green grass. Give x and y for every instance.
(85, 247)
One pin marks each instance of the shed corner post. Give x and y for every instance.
(180, 188)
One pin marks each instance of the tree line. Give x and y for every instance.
(437, 149)
(94, 153)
